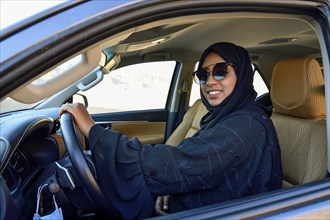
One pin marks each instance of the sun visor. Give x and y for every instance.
(60, 77)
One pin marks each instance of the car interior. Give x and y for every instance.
(285, 49)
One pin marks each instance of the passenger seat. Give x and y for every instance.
(297, 94)
(189, 125)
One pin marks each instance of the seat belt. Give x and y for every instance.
(183, 96)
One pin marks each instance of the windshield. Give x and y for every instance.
(13, 12)
(9, 104)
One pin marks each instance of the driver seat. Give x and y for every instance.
(299, 116)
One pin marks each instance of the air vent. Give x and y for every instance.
(145, 45)
(280, 40)
(254, 57)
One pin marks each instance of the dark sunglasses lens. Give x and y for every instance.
(220, 71)
(201, 75)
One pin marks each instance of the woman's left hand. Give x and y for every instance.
(80, 115)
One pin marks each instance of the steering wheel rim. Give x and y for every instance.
(82, 169)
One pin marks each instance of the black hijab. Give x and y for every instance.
(243, 91)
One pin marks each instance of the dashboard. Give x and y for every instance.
(28, 145)
(19, 166)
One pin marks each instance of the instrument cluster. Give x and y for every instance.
(19, 166)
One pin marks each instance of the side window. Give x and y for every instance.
(258, 83)
(195, 93)
(135, 87)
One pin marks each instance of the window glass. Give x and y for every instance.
(195, 93)
(135, 87)
(61, 69)
(259, 86)
(15, 11)
(9, 104)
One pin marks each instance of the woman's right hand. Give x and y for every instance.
(162, 205)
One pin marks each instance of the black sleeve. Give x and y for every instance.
(132, 174)
(225, 157)
(119, 173)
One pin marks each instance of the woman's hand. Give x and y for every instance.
(82, 118)
(162, 205)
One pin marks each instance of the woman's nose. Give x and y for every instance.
(210, 79)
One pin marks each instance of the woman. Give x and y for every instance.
(234, 154)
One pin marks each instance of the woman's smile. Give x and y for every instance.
(214, 93)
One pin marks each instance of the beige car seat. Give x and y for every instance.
(189, 125)
(297, 94)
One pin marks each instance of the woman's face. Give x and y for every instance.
(213, 90)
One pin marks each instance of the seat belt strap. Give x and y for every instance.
(183, 96)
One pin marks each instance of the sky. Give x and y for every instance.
(12, 11)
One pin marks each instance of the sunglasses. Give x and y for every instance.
(219, 72)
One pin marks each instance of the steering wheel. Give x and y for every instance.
(82, 169)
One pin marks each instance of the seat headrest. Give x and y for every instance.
(297, 88)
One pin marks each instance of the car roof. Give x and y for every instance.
(177, 28)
